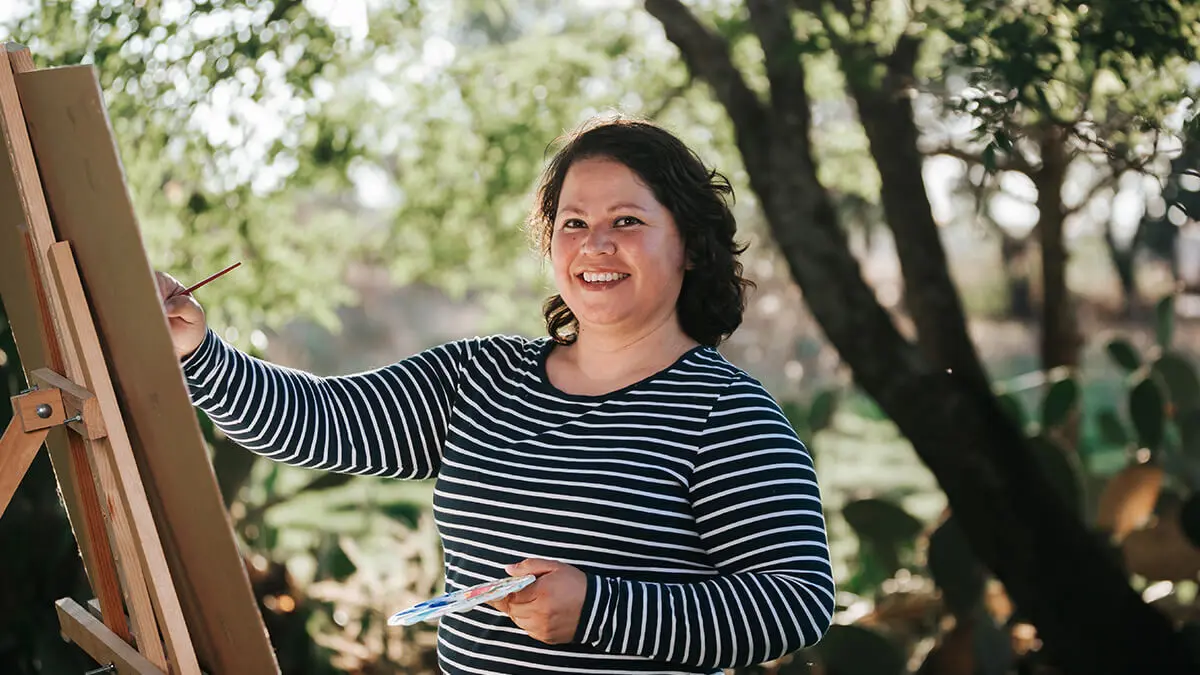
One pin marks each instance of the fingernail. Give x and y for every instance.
(508, 569)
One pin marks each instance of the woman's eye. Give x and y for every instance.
(626, 220)
(573, 223)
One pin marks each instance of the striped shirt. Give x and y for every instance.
(686, 499)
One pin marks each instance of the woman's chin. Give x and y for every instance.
(603, 320)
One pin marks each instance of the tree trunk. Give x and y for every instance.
(1055, 571)
(930, 294)
(1014, 255)
(1060, 340)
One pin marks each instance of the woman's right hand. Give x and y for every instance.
(185, 316)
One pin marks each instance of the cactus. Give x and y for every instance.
(1147, 408)
(1164, 321)
(1112, 431)
(1189, 432)
(955, 569)
(1059, 401)
(1013, 408)
(1062, 469)
(883, 528)
(1123, 353)
(1179, 379)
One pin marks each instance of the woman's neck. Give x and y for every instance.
(615, 356)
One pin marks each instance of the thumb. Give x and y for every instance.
(182, 307)
(534, 566)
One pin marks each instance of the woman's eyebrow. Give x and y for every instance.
(620, 206)
(626, 206)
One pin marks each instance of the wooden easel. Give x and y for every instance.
(107, 398)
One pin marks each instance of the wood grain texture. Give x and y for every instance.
(80, 627)
(17, 450)
(137, 540)
(138, 549)
(76, 401)
(25, 236)
(84, 185)
(25, 409)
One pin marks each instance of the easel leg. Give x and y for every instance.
(17, 450)
(83, 629)
(139, 548)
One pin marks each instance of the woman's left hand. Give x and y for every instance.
(549, 608)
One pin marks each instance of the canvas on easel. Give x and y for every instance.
(107, 396)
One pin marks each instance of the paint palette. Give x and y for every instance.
(459, 601)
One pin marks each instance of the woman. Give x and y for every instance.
(670, 513)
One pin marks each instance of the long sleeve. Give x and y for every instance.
(390, 421)
(757, 509)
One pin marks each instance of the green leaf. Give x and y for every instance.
(406, 513)
(270, 482)
(1164, 321)
(1013, 408)
(796, 416)
(1058, 402)
(853, 650)
(1123, 353)
(1188, 422)
(336, 563)
(824, 405)
(883, 528)
(1112, 430)
(955, 569)
(881, 519)
(1147, 409)
(1178, 375)
(1062, 468)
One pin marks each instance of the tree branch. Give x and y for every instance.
(707, 55)
(1099, 186)
(1011, 161)
(772, 23)
(885, 110)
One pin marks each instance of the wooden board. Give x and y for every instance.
(25, 237)
(84, 185)
(80, 627)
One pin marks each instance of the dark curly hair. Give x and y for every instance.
(713, 296)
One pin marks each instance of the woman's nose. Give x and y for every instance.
(599, 241)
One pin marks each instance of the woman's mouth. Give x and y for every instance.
(599, 281)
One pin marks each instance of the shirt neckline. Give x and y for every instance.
(542, 379)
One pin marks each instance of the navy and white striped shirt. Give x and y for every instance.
(686, 498)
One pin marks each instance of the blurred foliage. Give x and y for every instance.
(1113, 73)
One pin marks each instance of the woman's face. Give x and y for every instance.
(617, 254)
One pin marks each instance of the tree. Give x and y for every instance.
(935, 390)
(1061, 88)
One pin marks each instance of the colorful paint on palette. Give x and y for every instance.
(459, 601)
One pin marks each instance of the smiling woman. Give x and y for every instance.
(670, 513)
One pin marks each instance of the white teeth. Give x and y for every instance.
(601, 277)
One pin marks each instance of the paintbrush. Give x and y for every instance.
(204, 282)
